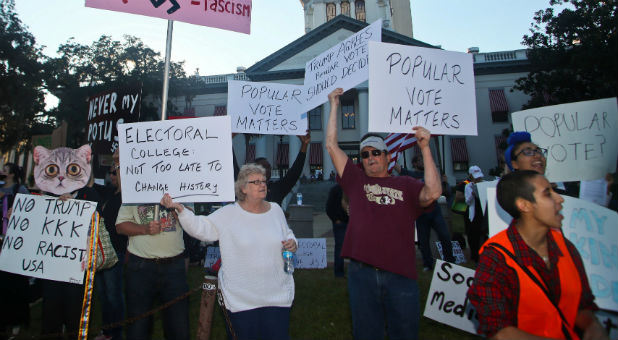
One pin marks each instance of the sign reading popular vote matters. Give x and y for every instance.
(415, 86)
(47, 238)
(266, 108)
(191, 159)
(581, 138)
(344, 65)
(225, 14)
(447, 302)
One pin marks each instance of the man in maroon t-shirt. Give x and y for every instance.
(380, 238)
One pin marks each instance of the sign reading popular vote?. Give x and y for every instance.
(232, 15)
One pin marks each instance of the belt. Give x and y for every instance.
(160, 260)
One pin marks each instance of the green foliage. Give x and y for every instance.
(572, 53)
(21, 82)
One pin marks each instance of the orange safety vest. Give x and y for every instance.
(536, 314)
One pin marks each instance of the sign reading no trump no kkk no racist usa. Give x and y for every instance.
(231, 15)
(415, 86)
(47, 238)
(581, 138)
(344, 65)
(266, 108)
(191, 159)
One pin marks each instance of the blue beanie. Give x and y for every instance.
(515, 138)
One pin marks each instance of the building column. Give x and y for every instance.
(352, 9)
(260, 147)
(327, 163)
(363, 110)
(294, 143)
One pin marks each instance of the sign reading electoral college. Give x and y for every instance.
(225, 14)
(416, 86)
(343, 65)
(266, 108)
(191, 159)
(581, 138)
(47, 238)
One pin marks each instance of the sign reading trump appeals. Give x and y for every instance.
(191, 159)
(266, 108)
(343, 65)
(447, 301)
(47, 238)
(581, 138)
(415, 86)
(225, 14)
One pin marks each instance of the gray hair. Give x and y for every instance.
(243, 176)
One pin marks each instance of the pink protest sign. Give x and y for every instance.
(232, 15)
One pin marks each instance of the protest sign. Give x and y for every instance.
(580, 138)
(191, 159)
(225, 14)
(457, 252)
(482, 190)
(447, 301)
(498, 218)
(311, 253)
(343, 65)
(105, 111)
(47, 238)
(415, 86)
(266, 108)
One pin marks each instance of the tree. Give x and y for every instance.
(572, 53)
(22, 99)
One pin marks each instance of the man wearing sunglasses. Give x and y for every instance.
(380, 238)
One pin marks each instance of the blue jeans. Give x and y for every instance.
(147, 280)
(382, 301)
(108, 285)
(339, 230)
(424, 224)
(261, 323)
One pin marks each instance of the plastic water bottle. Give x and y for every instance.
(288, 261)
(299, 199)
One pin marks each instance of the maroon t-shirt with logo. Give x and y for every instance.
(382, 213)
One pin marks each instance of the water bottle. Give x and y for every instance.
(299, 199)
(288, 261)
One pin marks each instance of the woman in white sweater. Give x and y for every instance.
(251, 232)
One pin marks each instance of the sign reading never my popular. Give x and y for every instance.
(415, 86)
(191, 159)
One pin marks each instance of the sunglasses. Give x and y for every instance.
(257, 182)
(374, 152)
(531, 152)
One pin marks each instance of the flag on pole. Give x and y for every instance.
(397, 143)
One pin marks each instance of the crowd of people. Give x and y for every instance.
(520, 289)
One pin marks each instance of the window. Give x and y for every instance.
(331, 11)
(499, 106)
(315, 118)
(345, 8)
(459, 154)
(360, 10)
(347, 114)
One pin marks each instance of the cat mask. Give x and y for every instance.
(62, 170)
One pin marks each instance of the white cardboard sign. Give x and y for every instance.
(498, 218)
(48, 238)
(416, 86)
(581, 138)
(343, 65)
(482, 190)
(266, 108)
(447, 302)
(457, 252)
(191, 159)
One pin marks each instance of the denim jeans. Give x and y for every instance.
(108, 285)
(424, 224)
(261, 323)
(339, 230)
(381, 301)
(147, 280)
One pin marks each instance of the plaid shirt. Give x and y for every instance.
(495, 292)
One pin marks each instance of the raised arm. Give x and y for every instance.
(433, 188)
(337, 155)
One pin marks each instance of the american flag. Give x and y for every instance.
(397, 143)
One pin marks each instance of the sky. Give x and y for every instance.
(491, 25)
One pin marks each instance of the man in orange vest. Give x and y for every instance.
(530, 281)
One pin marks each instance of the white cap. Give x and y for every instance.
(373, 141)
(475, 171)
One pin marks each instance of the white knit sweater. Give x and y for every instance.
(251, 274)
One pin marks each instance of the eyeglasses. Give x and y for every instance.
(257, 182)
(530, 152)
(374, 152)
